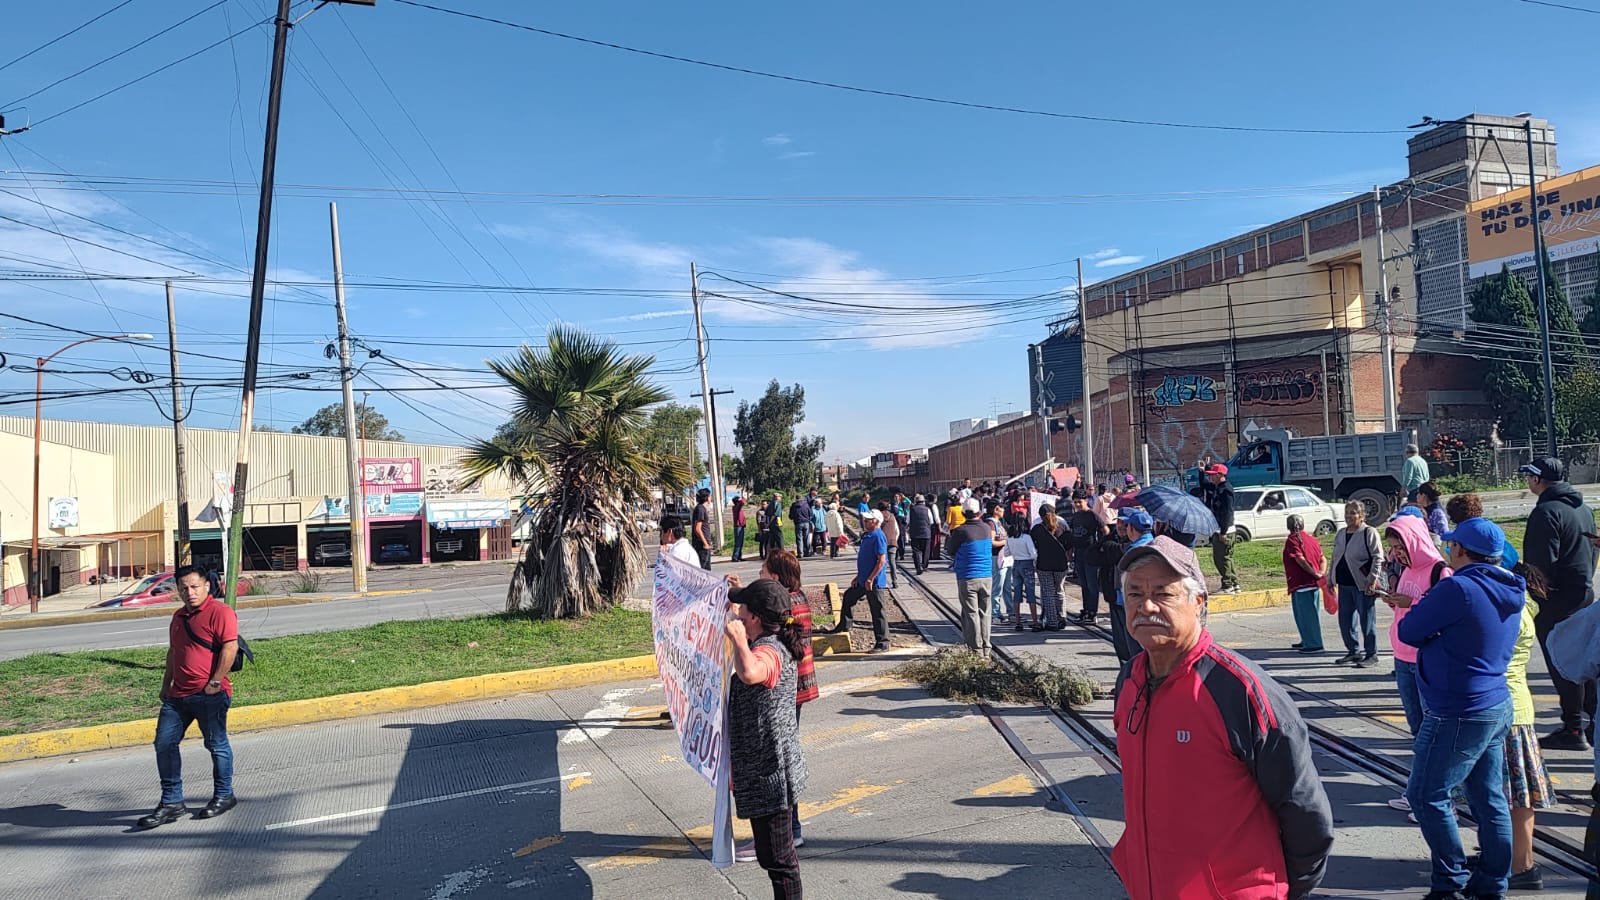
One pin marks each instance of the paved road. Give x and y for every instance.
(909, 794)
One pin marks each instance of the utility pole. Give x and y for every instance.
(1539, 293)
(358, 510)
(714, 462)
(182, 556)
(1044, 404)
(1083, 378)
(714, 396)
(1385, 327)
(258, 292)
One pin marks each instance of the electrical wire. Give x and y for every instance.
(61, 37)
(899, 95)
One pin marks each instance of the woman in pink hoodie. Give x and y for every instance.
(1411, 549)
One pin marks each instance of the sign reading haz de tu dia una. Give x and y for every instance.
(693, 660)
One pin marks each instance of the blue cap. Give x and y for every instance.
(1410, 511)
(1138, 518)
(1479, 535)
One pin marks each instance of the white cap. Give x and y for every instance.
(873, 515)
(969, 506)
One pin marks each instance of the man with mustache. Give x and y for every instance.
(1200, 728)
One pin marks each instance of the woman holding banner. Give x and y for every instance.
(768, 767)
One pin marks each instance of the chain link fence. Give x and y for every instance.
(1499, 467)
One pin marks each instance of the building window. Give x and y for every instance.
(1327, 219)
(1285, 233)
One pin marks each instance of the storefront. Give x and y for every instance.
(459, 526)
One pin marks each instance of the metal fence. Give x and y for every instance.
(1499, 467)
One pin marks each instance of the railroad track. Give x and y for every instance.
(1550, 847)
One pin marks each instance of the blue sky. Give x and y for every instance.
(753, 178)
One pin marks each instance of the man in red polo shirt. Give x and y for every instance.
(202, 640)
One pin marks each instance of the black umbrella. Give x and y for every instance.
(1180, 511)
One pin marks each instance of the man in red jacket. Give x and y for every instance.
(1202, 729)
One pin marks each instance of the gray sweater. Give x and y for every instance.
(769, 769)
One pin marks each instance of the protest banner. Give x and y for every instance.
(1036, 500)
(693, 659)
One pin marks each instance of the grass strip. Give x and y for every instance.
(60, 690)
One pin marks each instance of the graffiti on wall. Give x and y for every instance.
(1289, 387)
(1178, 390)
(1175, 445)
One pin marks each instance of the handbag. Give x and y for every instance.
(1330, 597)
(238, 658)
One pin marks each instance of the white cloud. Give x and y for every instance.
(797, 154)
(1119, 261)
(777, 140)
(647, 316)
(653, 257)
(1107, 253)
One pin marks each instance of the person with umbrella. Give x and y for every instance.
(1218, 496)
(1177, 515)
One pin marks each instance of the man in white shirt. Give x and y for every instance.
(673, 542)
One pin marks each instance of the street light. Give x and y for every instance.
(1538, 266)
(36, 583)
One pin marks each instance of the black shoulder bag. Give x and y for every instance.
(238, 659)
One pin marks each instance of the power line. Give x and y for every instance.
(1582, 9)
(899, 95)
(60, 37)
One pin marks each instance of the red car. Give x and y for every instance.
(150, 591)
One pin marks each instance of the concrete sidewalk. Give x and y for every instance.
(1377, 851)
(577, 793)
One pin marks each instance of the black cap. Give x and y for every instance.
(1545, 468)
(766, 599)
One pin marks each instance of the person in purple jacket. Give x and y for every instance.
(1465, 629)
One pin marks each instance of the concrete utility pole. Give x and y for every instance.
(1385, 327)
(714, 462)
(182, 555)
(358, 510)
(1083, 377)
(1539, 293)
(1044, 405)
(714, 396)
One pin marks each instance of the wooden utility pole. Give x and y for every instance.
(183, 552)
(356, 505)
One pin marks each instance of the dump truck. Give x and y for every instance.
(1361, 467)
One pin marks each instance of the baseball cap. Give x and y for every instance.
(969, 505)
(1138, 518)
(1410, 511)
(872, 515)
(1174, 554)
(1217, 469)
(1479, 535)
(1544, 468)
(766, 598)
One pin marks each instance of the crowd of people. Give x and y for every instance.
(1467, 612)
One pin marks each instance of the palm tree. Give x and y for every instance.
(576, 442)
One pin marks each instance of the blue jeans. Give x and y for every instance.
(1353, 603)
(1089, 581)
(738, 543)
(1470, 751)
(1304, 603)
(1022, 587)
(999, 590)
(1121, 640)
(211, 711)
(1405, 678)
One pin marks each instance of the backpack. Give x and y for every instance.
(238, 659)
(1438, 571)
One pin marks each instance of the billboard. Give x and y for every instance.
(399, 504)
(468, 513)
(1500, 228)
(381, 475)
(62, 512)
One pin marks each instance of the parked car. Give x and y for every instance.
(151, 590)
(1263, 512)
(331, 554)
(396, 552)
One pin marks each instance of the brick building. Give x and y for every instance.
(1279, 327)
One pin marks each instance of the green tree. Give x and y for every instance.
(577, 438)
(772, 457)
(329, 422)
(1514, 379)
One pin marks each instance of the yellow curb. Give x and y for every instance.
(1222, 603)
(829, 643)
(149, 612)
(339, 706)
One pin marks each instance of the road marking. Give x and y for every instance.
(549, 840)
(611, 708)
(374, 810)
(578, 782)
(1015, 786)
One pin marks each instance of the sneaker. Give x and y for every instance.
(1531, 880)
(1565, 739)
(1444, 895)
(1365, 662)
(1401, 804)
(1296, 645)
(1347, 659)
(799, 841)
(745, 852)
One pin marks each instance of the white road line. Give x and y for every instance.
(593, 724)
(425, 801)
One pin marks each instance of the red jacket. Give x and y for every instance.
(1220, 795)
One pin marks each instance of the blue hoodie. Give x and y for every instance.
(1464, 630)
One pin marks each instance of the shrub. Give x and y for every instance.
(308, 581)
(968, 677)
